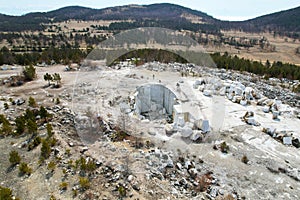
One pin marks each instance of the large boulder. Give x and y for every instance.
(186, 132)
(202, 125)
(205, 126)
(197, 135)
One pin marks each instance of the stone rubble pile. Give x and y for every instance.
(185, 176)
(283, 137)
(195, 131)
(270, 88)
(238, 93)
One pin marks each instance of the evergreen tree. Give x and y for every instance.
(14, 158)
(24, 169)
(57, 78)
(48, 77)
(20, 124)
(6, 127)
(29, 115)
(43, 113)
(31, 102)
(45, 150)
(29, 73)
(49, 130)
(31, 127)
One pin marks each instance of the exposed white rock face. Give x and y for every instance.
(205, 126)
(180, 121)
(155, 98)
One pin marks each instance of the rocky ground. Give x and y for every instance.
(102, 153)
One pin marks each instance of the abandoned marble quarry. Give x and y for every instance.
(171, 131)
(186, 100)
(183, 107)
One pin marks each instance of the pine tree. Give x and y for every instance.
(43, 112)
(31, 127)
(14, 158)
(31, 102)
(49, 130)
(24, 169)
(20, 125)
(29, 73)
(45, 150)
(48, 77)
(6, 127)
(57, 78)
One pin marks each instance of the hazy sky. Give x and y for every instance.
(221, 9)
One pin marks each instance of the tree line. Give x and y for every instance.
(275, 69)
(67, 55)
(63, 55)
(23, 42)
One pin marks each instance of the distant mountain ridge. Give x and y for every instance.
(164, 15)
(283, 21)
(133, 12)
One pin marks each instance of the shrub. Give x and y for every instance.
(5, 193)
(119, 135)
(24, 169)
(90, 166)
(245, 159)
(84, 183)
(37, 140)
(31, 102)
(52, 197)
(63, 186)
(75, 193)
(51, 166)
(122, 191)
(203, 183)
(68, 152)
(224, 147)
(71, 165)
(296, 89)
(85, 166)
(6, 106)
(14, 158)
(57, 101)
(64, 171)
(52, 141)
